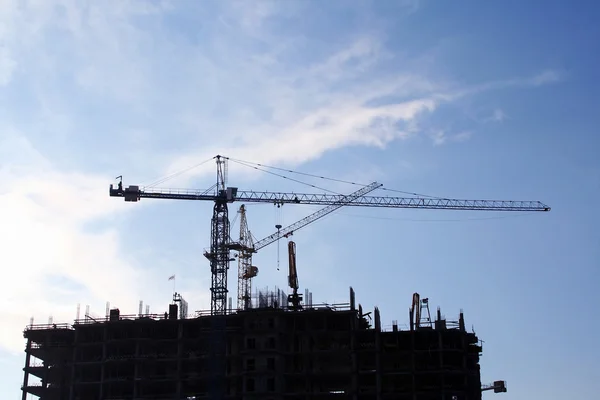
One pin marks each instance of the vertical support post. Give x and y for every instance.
(136, 368)
(441, 357)
(217, 357)
(378, 347)
(413, 359)
(179, 357)
(45, 376)
(73, 364)
(353, 356)
(26, 369)
(103, 364)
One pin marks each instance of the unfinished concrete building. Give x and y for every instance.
(268, 352)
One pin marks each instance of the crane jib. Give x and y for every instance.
(133, 193)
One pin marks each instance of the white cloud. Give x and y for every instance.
(462, 136)
(441, 137)
(316, 133)
(7, 66)
(252, 15)
(497, 116)
(349, 62)
(545, 77)
(44, 213)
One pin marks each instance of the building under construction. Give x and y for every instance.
(275, 347)
(272, 351)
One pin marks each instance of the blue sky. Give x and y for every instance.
(458, 99)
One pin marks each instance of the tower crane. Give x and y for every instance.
(246, 271)
(219, 253)
(246, 246)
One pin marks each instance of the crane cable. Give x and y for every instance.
(257, 165)
(176, 174)
(299, 173)
(258, 168)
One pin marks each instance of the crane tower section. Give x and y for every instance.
(219, 240)
(246, 271)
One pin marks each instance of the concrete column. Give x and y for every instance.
(306, 350)
(378, 369)
(103, 363)
(26, 374)
(413, 363)
(354, 362)
(136, 368)
(74, 361)
(179, 357)
(441, 359)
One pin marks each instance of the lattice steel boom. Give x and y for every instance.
(343, 201)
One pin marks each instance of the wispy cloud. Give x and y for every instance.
(44, 213)
(462, 136)
(7, 66)
(539, 79)
(545, 77)
(350, 62)
(497, 116)
(442, 137)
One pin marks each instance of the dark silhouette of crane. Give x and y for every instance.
(294, 299)
(246, 246)
(497, 387)
(220, 246)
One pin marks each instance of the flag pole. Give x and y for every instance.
(172, 278)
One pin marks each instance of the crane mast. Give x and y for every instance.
(246, 271)
(219, 239)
